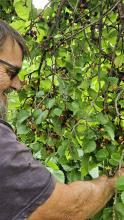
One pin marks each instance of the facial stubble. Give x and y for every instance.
(3, 106)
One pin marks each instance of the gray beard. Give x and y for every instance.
(3, 109)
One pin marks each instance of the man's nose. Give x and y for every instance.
(16, 83)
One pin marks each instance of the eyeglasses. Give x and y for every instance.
(11, 70)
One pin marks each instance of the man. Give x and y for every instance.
(27, 189)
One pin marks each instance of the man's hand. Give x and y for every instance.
(120, 172)
(77, 201)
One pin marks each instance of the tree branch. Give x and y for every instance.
(53, 28)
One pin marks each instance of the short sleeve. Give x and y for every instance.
(24, 182)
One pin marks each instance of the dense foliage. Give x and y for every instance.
(70, 111)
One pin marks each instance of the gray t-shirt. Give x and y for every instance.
(24, 182)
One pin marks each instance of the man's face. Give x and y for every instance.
(10, 63)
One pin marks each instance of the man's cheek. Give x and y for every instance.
(3, 99)
(4, 81)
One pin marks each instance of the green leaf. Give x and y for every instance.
(23, 8)
(121, 102)
(67, 168)
(40, 115)
(62, 148)
(112, 37)
(50, 103)
(102, 119)
(110, 131)
(94, 172)
(36, 147)
(89, 134)
(84, 85)
(113, 80)
(80, 128)
(122, 197)
(119, 60)
(102, 154)
(75, 107)
(74, 175)
(46, 85)
(19, 25)
(22, 129)
(45, 114)
(115, 159)
(74, 153)
(58, 174)
(120, 183)
(40, 94)
(52, 165)
(92, 93)
(23, 115)
(113, 162)
(85, 165)
(57, 111)
(80, 153)
(107, 214)
(116, 156)
(90, 146)
(119, 207)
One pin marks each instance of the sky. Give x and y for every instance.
(40, 3)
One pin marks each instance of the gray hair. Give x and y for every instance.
(8, 31)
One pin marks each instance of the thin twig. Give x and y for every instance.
(82, 28)
(53, 28)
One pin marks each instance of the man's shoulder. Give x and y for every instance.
(2, 122)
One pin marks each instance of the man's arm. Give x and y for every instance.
(77, 201)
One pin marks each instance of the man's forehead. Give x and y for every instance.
(11, 52)
(11, 44)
